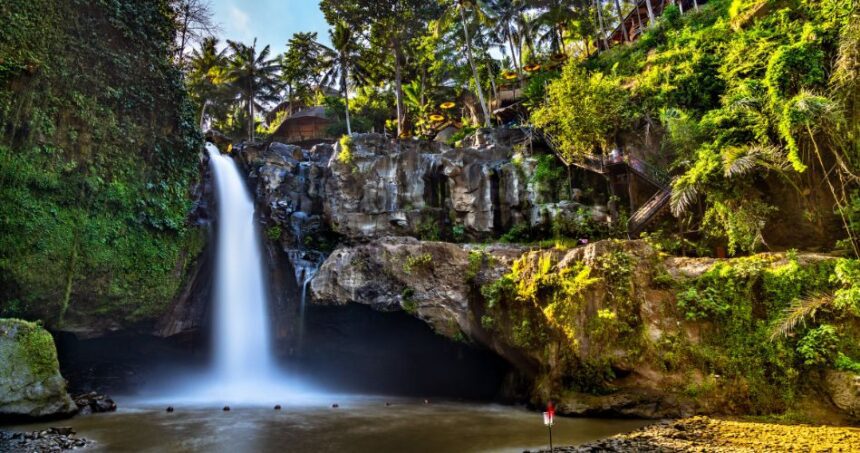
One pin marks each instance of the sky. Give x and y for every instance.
(272, 22)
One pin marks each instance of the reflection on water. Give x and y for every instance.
(358, 425)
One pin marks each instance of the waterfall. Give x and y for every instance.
(242, 342)
(244, 370)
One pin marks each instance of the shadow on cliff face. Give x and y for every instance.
(353, 348)
(345, 349)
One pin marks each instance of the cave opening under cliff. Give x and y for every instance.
(346, 349)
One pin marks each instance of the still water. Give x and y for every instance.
(360, 424)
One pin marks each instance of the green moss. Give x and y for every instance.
(32, 346)
(96, 161)
(741, 300)
(417, 263)
(274, 233)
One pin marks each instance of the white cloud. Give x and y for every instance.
(240, 21)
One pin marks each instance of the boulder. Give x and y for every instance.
(844, 390)
(30, 382)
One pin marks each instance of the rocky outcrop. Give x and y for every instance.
(373, 186)
(30, 382)
(598, 328)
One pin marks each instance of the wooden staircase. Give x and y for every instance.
(595, 163)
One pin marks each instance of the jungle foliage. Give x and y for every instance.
(98, 156)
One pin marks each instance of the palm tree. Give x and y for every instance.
(505, 15)
(651, 19)
(254, 77)
(206, 75)
(555, 17)
(601, 25)
(621, 21)
(462, 5)
(343, 63)
(301, 67)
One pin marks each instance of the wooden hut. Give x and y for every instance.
(306, 127)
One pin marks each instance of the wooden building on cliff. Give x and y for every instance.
(637, 20)
(306, 127)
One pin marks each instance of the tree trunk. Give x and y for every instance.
(621, 19)
(398, 89)
(651, 19)
(601, 24)
(183, 38)
(203, 113)
(514, 54)
(475, 74)
(346, 98)
(250, 115)
(696, 4)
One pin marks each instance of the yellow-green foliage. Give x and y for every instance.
(415, 263)
(345, 155)
(542, 305)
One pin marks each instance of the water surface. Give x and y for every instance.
(360, 424)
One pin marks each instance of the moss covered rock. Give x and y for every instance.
(30, 380)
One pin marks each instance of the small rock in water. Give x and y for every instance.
(226, 408)
(335, 406)
(169, 409)
(277, 407)
(63, 431)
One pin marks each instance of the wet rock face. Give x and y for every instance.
(426, 279)
(30, 382)
(429, 280)
(376, 187)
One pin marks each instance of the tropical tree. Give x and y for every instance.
(389, 26)
(254, 78)
(206, 75)
(624, 34)
(464, 10)
(343, 63)
(193, 23)
(505, 15)
(302, 68)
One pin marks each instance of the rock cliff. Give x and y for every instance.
(370, 187)
(604, 329)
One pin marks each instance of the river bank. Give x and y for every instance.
(697, 434)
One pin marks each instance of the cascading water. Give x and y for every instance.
(244, 369)
(242, 344)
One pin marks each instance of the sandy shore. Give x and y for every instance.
(704, 434)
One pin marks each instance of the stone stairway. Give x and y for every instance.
(601, 165)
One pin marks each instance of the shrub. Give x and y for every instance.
(819, 346)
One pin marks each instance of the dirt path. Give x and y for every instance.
(703, 434)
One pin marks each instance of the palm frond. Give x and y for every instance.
(739, 161)
(798, 312)
(683, 197)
